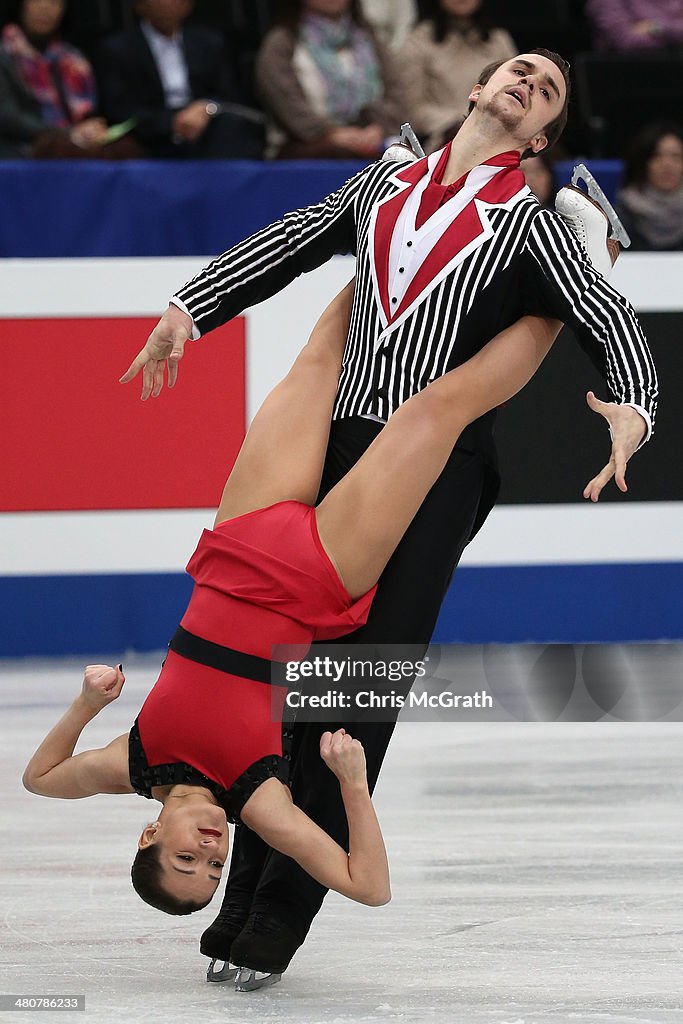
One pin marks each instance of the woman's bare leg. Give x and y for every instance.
(363, 518)
(283, 453)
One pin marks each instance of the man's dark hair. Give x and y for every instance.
(554, 129)
(433, 11)
(642, 149)
(146, 877)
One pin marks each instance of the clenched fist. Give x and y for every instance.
(344, 756)
(101, 685)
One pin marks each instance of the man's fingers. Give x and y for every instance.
(620, 461)
(132, 371)
(172, 372)
(596, 485)
(178, 349)
(596, 405)
(158, 373)
(147, 382)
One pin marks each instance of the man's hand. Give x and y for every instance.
(101, 685)
(164, 348)
(344, 756)
(190, 123)
(628, 429)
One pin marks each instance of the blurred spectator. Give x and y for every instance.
(174, 79)
(538, 172)
(627, 25)
(442, 58)
(47, 89)
(651, 200)
(392, 20)
(331, 87)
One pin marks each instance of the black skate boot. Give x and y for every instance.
(263, 950)
(216, 942)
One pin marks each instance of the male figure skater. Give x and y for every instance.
(450, 250)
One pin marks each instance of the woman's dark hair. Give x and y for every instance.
(432, 10)
(288, 13)
(554, 129)
(13, 16)
(146, 877)
(642, 149)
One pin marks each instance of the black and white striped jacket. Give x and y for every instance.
(525, 260)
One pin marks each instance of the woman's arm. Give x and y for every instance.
(54, 771)
(363, 873)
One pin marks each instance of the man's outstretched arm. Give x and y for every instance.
(253, 270)
(607, 328)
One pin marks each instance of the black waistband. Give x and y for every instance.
(248, 666)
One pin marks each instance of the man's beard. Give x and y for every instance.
(501, 110)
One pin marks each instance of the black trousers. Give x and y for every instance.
(405, 610)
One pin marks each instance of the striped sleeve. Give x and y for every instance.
(264, 263)
(603, 320)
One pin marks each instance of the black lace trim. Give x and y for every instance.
(143, 776)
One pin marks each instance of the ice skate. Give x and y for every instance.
(248, 980)
(216, 941)
(589, 215)
(407, 149)
(265, 945)
(226, 973)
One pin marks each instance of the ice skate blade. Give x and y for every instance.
(581, 173)
(248, 981)
(409, 138)
(407, 149)
(226, 973)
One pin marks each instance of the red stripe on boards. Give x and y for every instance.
(74, 438)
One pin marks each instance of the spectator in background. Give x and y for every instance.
(538, 173)
(650, 202)
(392, 20)
(442, 57)
(330, 87)
(173, 78)
(48, 96)
(629, 25)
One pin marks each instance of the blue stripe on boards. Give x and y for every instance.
(71, 615)
(564, 604)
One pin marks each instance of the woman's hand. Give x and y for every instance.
(101, 685)
(344, 756)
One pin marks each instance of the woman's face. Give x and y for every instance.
(328, 8)
(665, 166)
(41, 17)
(461, 8)
(193, 847)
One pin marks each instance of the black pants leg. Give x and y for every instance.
(405, 610)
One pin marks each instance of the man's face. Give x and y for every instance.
(524, 95)
(166, 16)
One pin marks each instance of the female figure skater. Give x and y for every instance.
(275, 570)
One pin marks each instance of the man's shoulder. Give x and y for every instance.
(195, 33)
(122, 44)
(374, 176)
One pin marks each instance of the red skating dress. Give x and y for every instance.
(261, 579)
